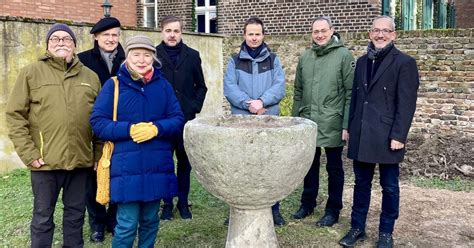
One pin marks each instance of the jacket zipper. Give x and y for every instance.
(42, 144)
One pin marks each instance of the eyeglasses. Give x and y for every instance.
(66, 40)
(384, 31)
(322, 31)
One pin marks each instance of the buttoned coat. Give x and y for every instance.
(186, 77)
(383, 109)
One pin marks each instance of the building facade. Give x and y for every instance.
(281, 17)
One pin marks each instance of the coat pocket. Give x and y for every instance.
(386, 119)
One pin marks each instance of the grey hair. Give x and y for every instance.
(323, 18)
(389, 18)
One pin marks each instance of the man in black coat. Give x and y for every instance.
(383, 103)
(182, 68)
(104, 59)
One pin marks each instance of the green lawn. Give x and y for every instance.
(206, 229)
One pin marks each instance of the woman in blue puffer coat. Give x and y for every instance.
(149, 118)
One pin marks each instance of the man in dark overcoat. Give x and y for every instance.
(182, 68)
(383, 103)
(104, 59)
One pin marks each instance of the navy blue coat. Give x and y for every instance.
(139, 172)
(384, 110)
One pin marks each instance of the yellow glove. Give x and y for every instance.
(143, 131)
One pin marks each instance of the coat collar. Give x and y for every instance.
(160, 50)
(60, 64)
(386, 62)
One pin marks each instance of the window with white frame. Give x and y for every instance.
(206, 16)
(149, 13)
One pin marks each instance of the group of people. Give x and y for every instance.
(368, 104)
(62, 106)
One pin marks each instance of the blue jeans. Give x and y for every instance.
(364, 173)
(143, 215)
(335, 181)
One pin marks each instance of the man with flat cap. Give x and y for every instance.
(104, 59)
(48, 120)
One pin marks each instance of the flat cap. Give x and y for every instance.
(105, 23)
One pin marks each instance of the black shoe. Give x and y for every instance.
(111, 230)
(167, 212)
(352, 237)
(226, 222)
(385, 240)
(278, 219)
(97, 237)
(184, 211)
(302, 213)
(327, 220)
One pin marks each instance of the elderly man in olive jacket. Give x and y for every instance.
(48, 119)
(323, 87)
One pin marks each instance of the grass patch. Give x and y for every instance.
(206, 229)
(455, 184)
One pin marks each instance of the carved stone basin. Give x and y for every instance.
(250, 162)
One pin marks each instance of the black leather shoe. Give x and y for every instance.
(167, 212)
(184, 211)
(278, 219)
(327, 220)
(385, 240)
(97, 237)
(111, 230)
(302, 213)
(352, 237)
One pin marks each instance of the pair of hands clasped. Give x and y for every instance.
(143, 131)
(256, 107)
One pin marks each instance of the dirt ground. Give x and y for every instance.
(428, 217)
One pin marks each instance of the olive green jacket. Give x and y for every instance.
(48, 114)
(323, 87)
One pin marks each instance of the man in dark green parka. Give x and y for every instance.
(323, 87)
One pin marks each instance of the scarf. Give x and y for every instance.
(173, 51)
(376, 54)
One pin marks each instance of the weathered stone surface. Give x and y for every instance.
(250, 162)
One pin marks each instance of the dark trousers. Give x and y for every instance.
(183, 175)
(100, 217)
(364, 173)
(46, 186)
(335, 181)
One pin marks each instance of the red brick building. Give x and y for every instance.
(74, 10)
(227, 16)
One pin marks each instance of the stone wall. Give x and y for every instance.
(23, 42)
(89, 11)
(445, 59)
(282, 17)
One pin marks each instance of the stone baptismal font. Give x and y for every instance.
(250, 162)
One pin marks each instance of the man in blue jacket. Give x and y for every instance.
(182, 68)
(382, 107)
(254, 82)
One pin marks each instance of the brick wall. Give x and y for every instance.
(75, 10)
(445, 59)
(180, 8)
(295, 17)
(464, 12)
